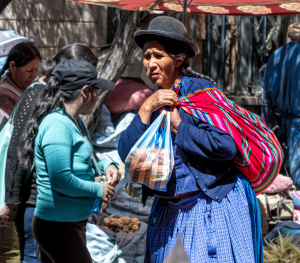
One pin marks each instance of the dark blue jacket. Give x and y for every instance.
(203, 154)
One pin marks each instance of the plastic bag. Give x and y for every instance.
(151, 161)
(97, 203)
(96, 206)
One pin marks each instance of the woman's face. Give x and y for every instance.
(24, 76)
(160, 67)
(93, 95)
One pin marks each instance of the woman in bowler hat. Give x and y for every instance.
(208, 202)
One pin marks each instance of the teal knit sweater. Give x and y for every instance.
(65, 171)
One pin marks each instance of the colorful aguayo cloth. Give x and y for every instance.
(260, 154)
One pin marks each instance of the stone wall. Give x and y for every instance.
(56, 23)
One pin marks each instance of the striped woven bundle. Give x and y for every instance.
(260, 155)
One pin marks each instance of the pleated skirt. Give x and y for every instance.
(229, 231)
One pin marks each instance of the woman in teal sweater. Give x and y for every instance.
(63, 151)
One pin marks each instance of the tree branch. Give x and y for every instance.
(116, 60)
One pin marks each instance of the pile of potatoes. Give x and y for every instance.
(126, 224)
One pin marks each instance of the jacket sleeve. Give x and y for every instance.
(14, 173)
(205, 141)
(130, 136)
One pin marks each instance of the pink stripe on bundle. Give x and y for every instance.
(281, 183)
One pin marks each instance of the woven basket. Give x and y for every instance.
(8, 237)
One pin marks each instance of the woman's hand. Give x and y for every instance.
(159, 99)
(108, 192)
(113, 175)
(175, 118)
(8, 214)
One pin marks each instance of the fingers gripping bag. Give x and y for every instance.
(151, 161)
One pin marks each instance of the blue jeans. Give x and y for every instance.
(27, 242)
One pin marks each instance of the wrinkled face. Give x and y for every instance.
(160, 67)
(24, 76)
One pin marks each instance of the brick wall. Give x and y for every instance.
(56, 23)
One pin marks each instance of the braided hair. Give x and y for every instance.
(194, 74)
(173, 50)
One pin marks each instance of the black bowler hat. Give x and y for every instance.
(74, 74)
(166, 28)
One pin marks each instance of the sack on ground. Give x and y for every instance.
(285, 228)
(8, 237)
(124, 205)
(275, 208)
(105, 245)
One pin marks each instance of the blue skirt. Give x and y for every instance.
(229, 231)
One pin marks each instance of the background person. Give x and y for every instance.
(57, 138)
(19, 197)
(22, 63)
(207, 200)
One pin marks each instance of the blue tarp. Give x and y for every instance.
(3, 59)
(8, 39)
(280, 80)
(285, 228)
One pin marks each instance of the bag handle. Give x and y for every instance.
(281, 202)
(82, 132)
(153, 125)
(10, 87)
(268, 207)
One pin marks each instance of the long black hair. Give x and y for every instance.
(22, 53)
(173, 50)
(51, 98)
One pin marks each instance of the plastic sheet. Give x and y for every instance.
(280, 82)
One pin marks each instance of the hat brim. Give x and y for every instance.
(103, 84)
(142, 36)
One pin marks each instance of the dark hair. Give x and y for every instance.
(51, 98)
(173, 50)
(21, 54)
(76, 51)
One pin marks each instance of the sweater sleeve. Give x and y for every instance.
(205, 141)
(14, 173)
(103, 164)
(130, 136)
(58, 158)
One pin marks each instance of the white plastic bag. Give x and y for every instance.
(151, 161)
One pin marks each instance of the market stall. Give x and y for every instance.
(252, 24)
